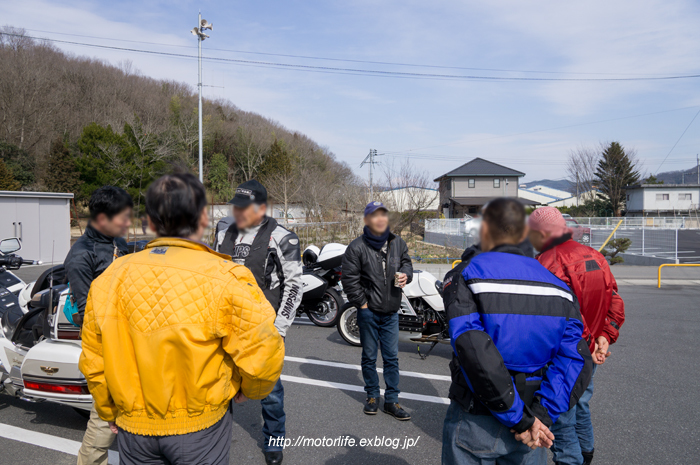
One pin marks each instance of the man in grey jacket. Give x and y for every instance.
(272, 254)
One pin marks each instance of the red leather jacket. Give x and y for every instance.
(588, 275)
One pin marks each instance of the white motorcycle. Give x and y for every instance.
(40, 348)
(421, 315)
(322, 296)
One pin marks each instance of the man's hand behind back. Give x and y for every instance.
(537, 436)
(601, 350)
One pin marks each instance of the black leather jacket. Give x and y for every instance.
(91, 254)
(366, 282)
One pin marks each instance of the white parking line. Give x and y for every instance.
(347, 366)
(47, 441)
(353, 387)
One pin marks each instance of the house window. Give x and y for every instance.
(496, 183)
(472, 183)
(685, 196)
(662, 197)
(628, 197)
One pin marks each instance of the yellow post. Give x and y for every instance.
(671, 264)
(610, 236)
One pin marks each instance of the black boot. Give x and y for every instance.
(274, 457)
(371, 405)
(396, 411)
(588, 457)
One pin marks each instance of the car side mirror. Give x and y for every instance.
(11, 245)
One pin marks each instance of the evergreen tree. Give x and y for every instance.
(218, 177)
(652, 180)
(62, 174)
(615, 170)
(7, 180)
(19, 161)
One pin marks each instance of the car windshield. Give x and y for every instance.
(572, 224)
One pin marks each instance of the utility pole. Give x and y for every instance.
(199, 112)
(697, 157)
(369, 160)
(577, 194)
(198, 31)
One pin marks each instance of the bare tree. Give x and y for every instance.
(581, 166)
(282, 174)
(408, 192)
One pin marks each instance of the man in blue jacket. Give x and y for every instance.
(519, 358)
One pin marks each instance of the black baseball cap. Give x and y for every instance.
(249, 192)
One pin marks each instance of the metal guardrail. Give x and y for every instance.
(671, 264)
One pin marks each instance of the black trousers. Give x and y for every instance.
(209, 446)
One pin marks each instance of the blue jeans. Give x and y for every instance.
(273, 417)
(469, 439)
(573, 431)
(380, 330)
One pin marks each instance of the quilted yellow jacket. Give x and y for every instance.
(171, 334)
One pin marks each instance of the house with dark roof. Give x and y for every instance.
(464, 190)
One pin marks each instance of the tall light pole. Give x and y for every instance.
(198, 31)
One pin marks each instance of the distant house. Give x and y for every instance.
(662, 199)
(464, 190)
(554, 197)
(403, 199)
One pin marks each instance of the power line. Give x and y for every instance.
(367, 72)
(406, 151)
(679, 139)
(349, 60)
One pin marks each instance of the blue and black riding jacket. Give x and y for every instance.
(516, 333)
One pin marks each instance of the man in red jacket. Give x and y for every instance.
(588, 275)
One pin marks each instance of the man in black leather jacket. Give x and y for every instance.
(376, 266)
(92, 253)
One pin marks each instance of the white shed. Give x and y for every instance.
(662, 199)
(40, 219)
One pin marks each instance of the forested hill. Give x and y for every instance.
(73, 124)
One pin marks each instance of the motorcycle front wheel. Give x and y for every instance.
(326, 312)
(347, 325)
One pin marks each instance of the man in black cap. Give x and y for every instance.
(376, 266)
(272, 254)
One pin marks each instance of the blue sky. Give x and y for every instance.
(436, 124)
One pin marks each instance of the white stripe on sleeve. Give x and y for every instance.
(523, 289)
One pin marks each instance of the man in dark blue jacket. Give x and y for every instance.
(519, 358)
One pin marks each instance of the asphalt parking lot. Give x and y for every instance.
(644, 407)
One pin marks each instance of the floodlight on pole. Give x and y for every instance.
(202, 25)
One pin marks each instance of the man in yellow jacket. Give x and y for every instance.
(173, 333)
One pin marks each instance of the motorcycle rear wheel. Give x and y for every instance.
(326, 312)
(83, 413)
(347, 325)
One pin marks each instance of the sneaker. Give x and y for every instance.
(371, 406)
(396, 411)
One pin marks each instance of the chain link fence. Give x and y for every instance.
(458, 233)
(685, 222)
(675, 239)
(660, 243)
